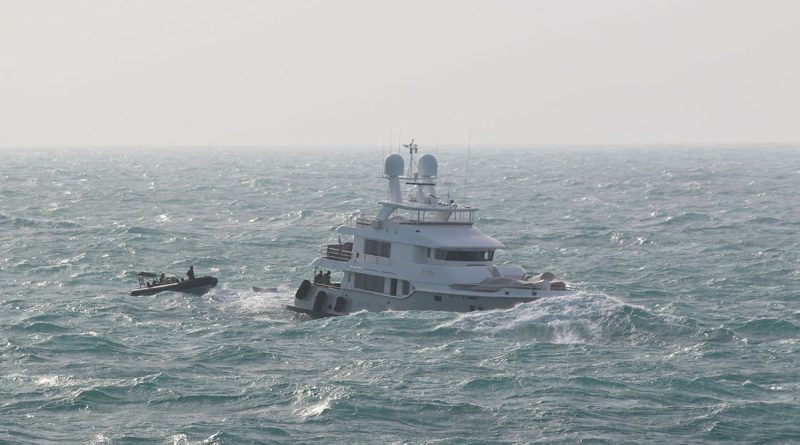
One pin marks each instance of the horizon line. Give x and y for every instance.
(366, 145)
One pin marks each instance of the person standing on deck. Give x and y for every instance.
(190, 273)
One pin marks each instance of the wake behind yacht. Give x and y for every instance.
(418, 253)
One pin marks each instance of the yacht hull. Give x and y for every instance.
(322, 300)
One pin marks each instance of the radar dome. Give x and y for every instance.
(427, 165)
(393, 165)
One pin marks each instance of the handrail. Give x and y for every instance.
(337, 252)
(400, 213)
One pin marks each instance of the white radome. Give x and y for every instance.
(428, 166)
(394, 165)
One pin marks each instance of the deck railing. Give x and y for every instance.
(362, 222)
(337, 252)
(445, 215)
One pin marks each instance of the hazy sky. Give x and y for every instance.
(197, 72)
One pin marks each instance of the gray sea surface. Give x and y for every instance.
(687, 328)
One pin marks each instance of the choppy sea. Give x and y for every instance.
(687, 328)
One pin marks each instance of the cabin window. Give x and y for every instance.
(393, 286)
(377, 248)
(465, 255)
(406, 287)
(369, 282)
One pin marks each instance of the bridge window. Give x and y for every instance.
(465, 255)
(377, 248)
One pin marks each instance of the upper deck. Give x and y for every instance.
(411, 214)
(430, 214)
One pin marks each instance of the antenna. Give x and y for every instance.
(466, 169)
(412, 148)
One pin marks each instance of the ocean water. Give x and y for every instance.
(687, 328)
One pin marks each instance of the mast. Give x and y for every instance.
(412, 148)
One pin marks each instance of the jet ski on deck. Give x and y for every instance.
(151, 284)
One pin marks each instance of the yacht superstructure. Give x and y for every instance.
(418, 253)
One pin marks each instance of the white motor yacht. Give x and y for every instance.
(418, 253)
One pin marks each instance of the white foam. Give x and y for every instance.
(100, 439)
(249, 302)
(322, 403)
(573, 319)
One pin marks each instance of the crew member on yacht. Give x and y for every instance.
(190, 273)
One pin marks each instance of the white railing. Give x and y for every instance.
(447, 215)
(337, 252)
(362, 222)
